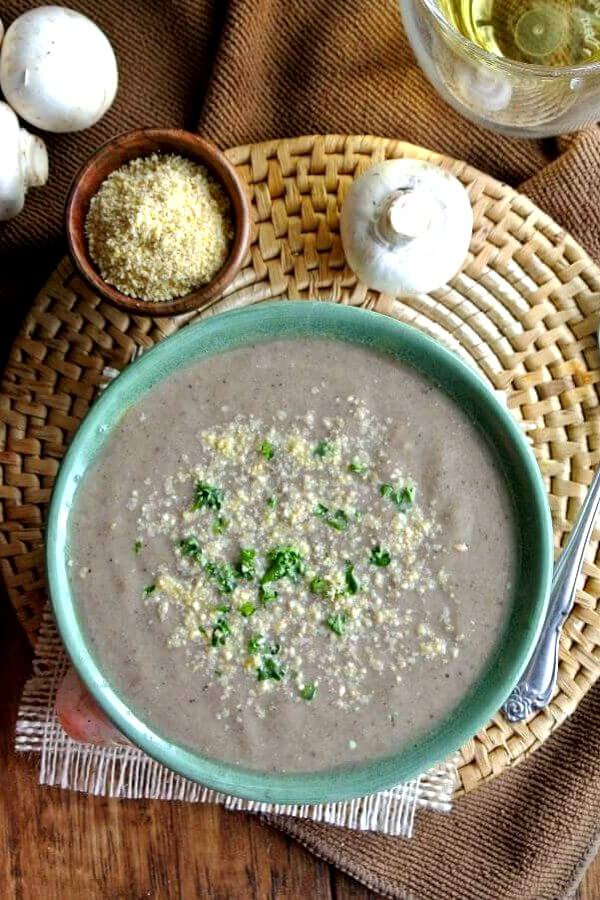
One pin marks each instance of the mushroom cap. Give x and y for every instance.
(12, 185)
(481, 90)
(58, 70)
(406, 226)
(23, 163)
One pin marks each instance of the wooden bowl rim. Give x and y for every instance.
(138, 143)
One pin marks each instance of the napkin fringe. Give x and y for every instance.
(126, 772)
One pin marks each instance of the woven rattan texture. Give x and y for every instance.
(524, 311)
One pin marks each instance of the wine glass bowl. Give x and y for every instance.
(536, 95)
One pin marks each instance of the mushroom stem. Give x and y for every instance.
(34, 159)
(405, 215)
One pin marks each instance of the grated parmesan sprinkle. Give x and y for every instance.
(363, 554)
(159, 227)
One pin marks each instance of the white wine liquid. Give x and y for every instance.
(547, 32)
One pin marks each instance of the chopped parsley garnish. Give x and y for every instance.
(223, 608)
(224, 574)
(255, 643)
(284, 562)
(380, 557)
(247, 609)
(322, 587)
(338, 519)
(270, 668)
(220, 632)
(352, 584)
(220, 525)
(149, 589)
(267, 595)
(308, 691)
(207, 496)
(189, 546)
(137, 546)
(267, 449)
(271, 502)
(402, 497)
(337, 622)
(323, 449)
(357, 466)
(246, 565)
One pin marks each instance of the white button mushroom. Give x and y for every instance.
(481, 90)
(23, 163)
(406, 226)
(57, 69)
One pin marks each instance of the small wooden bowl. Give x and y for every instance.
(114, 154)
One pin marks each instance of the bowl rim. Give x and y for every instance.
(283, 319)
(142, 142)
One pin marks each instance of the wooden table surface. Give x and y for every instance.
(59, 845)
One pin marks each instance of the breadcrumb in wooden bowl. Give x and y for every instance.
(158, 222)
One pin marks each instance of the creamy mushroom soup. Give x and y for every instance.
(293, 555)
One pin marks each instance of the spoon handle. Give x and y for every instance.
(536, 686)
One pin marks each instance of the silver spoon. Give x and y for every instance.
(535, 689)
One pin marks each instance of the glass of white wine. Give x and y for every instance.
(528, 68)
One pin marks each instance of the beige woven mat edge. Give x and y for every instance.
(523, 311)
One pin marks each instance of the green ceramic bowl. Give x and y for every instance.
(514, 457)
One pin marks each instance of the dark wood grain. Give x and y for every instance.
(58, 845)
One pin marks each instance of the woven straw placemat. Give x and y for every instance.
(523, 311)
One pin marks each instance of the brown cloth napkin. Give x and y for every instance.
(248, 70)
